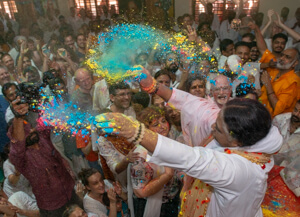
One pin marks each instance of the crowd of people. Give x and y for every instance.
(188, 138)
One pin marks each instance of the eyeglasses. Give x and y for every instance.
(225, 89)
(122, 95)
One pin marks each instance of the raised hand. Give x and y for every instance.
(278, 21)
(192, 34)
(112, 196)
(23, 49)
(117, 123)
(270, 14)
(20, 109)
(117, 188)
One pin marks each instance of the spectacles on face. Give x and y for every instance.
(123, 95)
(225, 89)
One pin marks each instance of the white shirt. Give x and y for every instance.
(215, 26)
(100, 95)
(23, 201)
(21, 185)
(239, 185)
(94, 206)
(249, 68)
(291, 141)
(113, 157)
(227, 32)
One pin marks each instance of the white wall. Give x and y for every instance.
(277, 5)
(183, 7)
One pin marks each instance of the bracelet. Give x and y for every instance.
(141, 134)
(270, 93)
(153, 87)
(138, 136)
(135, 135)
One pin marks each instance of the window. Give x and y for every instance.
(220, 6)
(9, 7)
(92, 6)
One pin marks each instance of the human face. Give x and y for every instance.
(205, 66)
(8, 62)
(142, 60)
(164, 79)
(247, 39)
(122, 98)
(11, 93)
(254, 54)
(33, 77)
(187, 22)
(4, 76)
(96, 184)
(158, 101)
(81, 41)
(69, 41)
(229, 50)
(219, 132)
(85, 81)
(287, 61)
(243, 52)
(296, 114)
(173, 115)
(221, 92)
(198, 88)
(276, 29)
(172, 63)
(78, 212)
(160, 125)
(26, 62)
(278, 45)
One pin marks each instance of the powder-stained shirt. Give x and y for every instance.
(44, 168)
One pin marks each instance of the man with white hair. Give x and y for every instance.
(221, 90)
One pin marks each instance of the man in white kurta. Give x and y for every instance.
(239, 185)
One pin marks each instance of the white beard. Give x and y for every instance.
(286, 66)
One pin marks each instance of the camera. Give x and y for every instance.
(30, 93)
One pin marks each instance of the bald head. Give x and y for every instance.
(221, 90)
(84, 79)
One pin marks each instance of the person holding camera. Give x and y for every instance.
(35, 157)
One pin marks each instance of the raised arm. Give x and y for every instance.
(270, 13)
(17, 135)
(295, 35)
(260, 41)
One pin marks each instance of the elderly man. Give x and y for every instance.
(221, 90)
(83, 95)
(279, 93)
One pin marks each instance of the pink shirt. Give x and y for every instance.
(197, 115)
